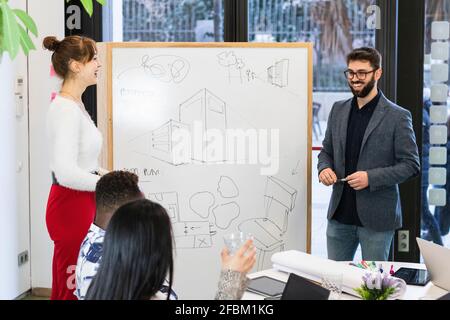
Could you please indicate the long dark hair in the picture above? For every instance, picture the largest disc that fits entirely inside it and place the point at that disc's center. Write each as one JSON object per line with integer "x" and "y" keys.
{"x": 137, "y": 254}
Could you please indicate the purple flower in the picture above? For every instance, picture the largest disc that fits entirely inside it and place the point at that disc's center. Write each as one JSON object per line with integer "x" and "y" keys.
{"x": 383, "y": 281}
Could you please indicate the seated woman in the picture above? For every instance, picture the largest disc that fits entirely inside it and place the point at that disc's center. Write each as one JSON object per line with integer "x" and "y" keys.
{"x": 138, "y": 257}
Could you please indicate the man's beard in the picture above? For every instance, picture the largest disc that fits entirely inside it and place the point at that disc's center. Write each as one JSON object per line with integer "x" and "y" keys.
{"x": 365, "y": 90}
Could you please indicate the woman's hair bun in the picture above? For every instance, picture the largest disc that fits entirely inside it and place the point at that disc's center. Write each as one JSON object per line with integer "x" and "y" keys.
{"x": 51, "y": 43}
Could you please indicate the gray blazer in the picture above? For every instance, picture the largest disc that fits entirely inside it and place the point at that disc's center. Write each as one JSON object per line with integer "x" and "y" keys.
{"x": 388, "y": 154}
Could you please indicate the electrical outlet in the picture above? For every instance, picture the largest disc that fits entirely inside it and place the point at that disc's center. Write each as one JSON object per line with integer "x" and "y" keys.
{"x": 22, "y": 258}
{"x": 403, "y": 241}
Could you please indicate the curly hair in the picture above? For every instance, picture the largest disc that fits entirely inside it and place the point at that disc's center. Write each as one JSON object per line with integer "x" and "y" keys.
{"x": 115, "y": 189}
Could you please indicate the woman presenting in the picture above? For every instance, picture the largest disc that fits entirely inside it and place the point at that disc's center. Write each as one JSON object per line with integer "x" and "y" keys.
{"x": 75, "y": 144}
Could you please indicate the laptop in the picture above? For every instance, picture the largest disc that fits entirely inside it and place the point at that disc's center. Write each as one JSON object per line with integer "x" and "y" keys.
{"x": 299, "y": 288}
{"x": 437, "y": 260}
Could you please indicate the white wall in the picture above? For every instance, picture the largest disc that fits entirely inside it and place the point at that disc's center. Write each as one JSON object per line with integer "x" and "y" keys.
{"x": 14, "y": 195}
{"x": 49, "y": 17}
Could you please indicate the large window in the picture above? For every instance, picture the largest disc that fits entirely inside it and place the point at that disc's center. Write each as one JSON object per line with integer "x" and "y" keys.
{"x": 436, "y": 143}
{"x": 173, "y": 20}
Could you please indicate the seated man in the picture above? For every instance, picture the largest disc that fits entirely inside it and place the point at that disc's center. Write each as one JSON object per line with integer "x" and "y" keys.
{"x": 112, "y": 191}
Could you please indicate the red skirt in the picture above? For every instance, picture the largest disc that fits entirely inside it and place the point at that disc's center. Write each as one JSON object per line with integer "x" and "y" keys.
{"x": 69, "y": 216}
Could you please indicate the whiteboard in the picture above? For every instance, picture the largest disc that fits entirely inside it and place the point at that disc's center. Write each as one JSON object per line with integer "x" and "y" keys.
{"x": 220, "y": 135}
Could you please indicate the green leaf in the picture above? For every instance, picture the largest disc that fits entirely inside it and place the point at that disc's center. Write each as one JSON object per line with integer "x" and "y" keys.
{"x": 88, "y": 6}
{"x": 27, "y": 21}
{"x": 11, "y": 36}
{"x": 25, "y": 41}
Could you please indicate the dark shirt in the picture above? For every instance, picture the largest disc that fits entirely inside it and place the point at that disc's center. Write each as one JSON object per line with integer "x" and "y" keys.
{"x": 358, "y": 121}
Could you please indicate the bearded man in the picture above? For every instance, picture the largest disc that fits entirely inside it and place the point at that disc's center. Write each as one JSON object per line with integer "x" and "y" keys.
{"x": 368, "y": 150}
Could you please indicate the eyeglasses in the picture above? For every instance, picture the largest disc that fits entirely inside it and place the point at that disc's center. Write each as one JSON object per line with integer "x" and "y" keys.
{"x": 361, "y": 75}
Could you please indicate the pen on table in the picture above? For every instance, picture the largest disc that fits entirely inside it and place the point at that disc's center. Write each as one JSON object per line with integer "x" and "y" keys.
{"x": 380, "y": 267}
{"x": 391, "y": 272}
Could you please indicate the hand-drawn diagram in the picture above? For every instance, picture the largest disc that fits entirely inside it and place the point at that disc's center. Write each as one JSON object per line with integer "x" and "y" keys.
{"x": 187, "y": 234}
{"x": 233, "y": 63}
{"x": 227, "y": 188}
{"x": 206, "y": 109}
{"x": 225, "y": 214}
{"x": 162, "y": 140}
{"x": 169, "y": 200}
{"x": 192, "y": 234}
{"x": 164, "y": 68}
{"x": 269, "y": 231}
{"x": 201, "y": 203}
{"x": 278, "y": 74}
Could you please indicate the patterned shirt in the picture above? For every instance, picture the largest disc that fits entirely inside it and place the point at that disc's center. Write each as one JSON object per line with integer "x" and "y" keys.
{"x": 89, "y": 260}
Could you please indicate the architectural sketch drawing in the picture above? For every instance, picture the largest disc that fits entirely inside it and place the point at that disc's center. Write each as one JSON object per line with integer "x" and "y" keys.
{"x": 191, "y": 235}
{"x": 279, "y": 191}
{"x": 169, "y": 200}
{"x": 164, "y": 68}
{"x": 269, "y": 232}
{"x": 201, "y": 203}
{"x": 225, "y": 214}
{"x": 141, "y": 144}
{"x": 188, "y": 234}
{"x": 278, "y": 74}
{"x": 234, "y": 65}
{"x": 205, "y": 111}
{"x": 227, "y": 188}
{"x": 268, "y": 238}
{"x": 162, "y": 142}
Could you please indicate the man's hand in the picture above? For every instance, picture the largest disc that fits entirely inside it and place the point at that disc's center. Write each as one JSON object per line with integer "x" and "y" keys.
{"x": 359, "y": 180}
{"x": 327, "y": 177}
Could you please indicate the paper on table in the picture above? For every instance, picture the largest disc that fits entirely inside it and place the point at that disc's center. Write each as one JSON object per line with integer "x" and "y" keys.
{"x": 313, "y": 267}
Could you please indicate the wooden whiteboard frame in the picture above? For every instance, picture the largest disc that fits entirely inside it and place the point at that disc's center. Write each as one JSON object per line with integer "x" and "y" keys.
{"x": 104, "y": 97}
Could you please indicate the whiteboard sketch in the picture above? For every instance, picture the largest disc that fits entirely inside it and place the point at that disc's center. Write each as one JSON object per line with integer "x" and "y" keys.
{"x": 278, "y": 74}
{"x": 201, "y": 203}
{"x": 188, "y": 234}
{"x": 162, "y": 142}
{"x": 207, "y": 110}
{"x": 193, "y": 234}
{"x": 225, "y": 214}
{"x": 164, "y": 68}
{"x": 269, "y": 231}
{"x": 169, "y": 200}
{"x": 150, "y": 92}
{"x": 227, "y": 188}
{"x": 233, "y": 64}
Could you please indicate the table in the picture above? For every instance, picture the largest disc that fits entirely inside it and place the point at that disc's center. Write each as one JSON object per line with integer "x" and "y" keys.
{"x": 428, "y": 292}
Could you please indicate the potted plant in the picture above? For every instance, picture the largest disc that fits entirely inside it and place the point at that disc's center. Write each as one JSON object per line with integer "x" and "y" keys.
{"x": 14, "y": 24}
